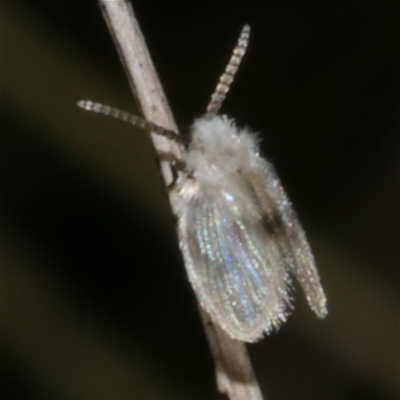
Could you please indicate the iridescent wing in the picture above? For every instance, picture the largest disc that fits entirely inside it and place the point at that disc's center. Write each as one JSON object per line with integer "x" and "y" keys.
{"x": 237, "y": 267}
{"x": 302, "y": 265}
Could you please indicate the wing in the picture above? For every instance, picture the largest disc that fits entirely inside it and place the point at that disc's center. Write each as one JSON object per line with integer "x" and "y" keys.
{"x": 236, "y": 267}
{"x": 274, "y": 201}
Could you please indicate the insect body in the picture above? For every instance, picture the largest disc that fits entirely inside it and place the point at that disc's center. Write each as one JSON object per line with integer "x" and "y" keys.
{"x": 239, "y": 235}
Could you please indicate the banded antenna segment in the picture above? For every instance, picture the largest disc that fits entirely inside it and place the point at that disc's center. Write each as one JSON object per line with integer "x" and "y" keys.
{"x": 126, "y": 116}
{"x": 227, "y": 77}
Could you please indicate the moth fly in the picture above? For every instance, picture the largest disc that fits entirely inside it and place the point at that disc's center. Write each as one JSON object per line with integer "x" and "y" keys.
{"x": 240, "y": 237}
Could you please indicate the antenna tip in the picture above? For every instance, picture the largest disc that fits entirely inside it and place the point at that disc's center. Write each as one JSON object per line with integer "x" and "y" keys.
{"x": 245, "y": 31}
{"x": 85, "y": 104}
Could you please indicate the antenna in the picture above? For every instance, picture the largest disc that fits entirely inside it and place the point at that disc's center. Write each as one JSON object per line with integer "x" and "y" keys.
{"x": 227, "y": 77}
{"x": 132, "y": 119}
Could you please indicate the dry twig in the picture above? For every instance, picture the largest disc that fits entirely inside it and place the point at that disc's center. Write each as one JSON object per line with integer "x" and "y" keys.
{"x": 235, "y": 376}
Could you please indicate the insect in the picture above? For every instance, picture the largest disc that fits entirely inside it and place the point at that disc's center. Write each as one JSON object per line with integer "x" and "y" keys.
{"x": 240, "y": 237}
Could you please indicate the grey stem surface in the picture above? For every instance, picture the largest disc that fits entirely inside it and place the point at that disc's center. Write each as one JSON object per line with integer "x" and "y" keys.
{"x": 234, "y": 372}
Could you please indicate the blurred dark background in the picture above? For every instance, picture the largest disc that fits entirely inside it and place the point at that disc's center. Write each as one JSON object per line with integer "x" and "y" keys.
{"x": 95, "y": 301}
